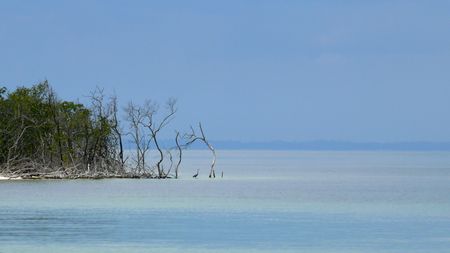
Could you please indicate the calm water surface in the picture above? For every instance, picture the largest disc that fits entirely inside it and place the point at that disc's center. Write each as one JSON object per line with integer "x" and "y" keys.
{"x": 268, "y": 201}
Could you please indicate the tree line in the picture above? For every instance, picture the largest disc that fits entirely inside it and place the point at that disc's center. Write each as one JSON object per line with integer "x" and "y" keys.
{"x": 42, "y": 136}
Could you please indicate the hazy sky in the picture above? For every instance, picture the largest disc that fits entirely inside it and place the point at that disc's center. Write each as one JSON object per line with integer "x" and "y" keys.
{"x": 250, "y": 70}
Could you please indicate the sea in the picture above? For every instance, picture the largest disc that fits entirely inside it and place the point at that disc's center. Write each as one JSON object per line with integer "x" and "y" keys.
{"x": 266, "y": 201}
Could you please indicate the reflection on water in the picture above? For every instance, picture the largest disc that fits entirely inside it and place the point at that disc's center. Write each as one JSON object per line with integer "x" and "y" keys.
{"x": 268, "y": 201}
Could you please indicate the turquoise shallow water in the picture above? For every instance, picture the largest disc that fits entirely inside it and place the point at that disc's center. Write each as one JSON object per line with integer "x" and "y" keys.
{"x": 268, "y": 201}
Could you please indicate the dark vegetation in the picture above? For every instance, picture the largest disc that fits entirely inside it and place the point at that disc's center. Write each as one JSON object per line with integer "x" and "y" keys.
{"x": 42, "y": 136}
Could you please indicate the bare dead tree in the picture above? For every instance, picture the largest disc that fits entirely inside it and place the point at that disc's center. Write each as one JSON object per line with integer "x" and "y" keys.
{"x": 101, "y": 116}
{"x": 180, "y": 153}
{"x": 116, "y": 128}
{"x": 150, "y": 112}
{"x": 192, "y": 137}
{"x": 12, "y": 151}
{"x": 135, "y": 116}
{"x": 15, "y": 157}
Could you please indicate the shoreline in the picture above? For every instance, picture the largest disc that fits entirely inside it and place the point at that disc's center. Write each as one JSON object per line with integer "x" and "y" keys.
{"x": 9, "y": 178}
{"x": 93, "y": 177}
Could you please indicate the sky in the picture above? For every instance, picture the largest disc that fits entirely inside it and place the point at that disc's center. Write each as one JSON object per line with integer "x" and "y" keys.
{"x": 249, "y": 70}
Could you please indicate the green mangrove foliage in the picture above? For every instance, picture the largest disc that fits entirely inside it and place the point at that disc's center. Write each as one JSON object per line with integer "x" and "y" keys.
{"x": 42, "y": 136}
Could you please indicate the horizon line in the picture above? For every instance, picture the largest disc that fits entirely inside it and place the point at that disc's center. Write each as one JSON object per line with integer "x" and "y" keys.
{"x": 324, "y": 145}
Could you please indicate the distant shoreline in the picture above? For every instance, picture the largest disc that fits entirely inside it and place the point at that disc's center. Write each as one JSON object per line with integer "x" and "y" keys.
{"x": 326, "y": 145}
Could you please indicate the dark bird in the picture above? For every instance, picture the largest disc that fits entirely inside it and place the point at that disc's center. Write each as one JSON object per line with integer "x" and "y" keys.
{"x": 196, "y": 175}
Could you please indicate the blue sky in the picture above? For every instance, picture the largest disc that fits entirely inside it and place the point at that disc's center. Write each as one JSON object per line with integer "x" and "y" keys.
{"x": 249, "y": 70}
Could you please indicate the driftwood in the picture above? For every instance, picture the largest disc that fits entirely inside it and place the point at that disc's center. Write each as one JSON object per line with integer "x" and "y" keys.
{"x": 28, "y": 169}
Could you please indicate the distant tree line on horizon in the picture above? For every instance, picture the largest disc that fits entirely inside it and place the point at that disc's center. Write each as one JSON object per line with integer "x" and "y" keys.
{"x": 42, "y": 136}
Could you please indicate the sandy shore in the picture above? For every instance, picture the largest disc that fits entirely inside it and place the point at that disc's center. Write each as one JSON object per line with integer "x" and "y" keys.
{"x": 9, "y": 178}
